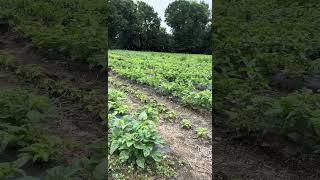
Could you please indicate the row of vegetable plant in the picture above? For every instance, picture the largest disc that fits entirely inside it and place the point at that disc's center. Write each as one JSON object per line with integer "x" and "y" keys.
{"x": 185, "y": 76}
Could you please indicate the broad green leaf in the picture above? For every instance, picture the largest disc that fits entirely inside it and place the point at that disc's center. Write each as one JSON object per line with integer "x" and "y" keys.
{"x": 143, "y": 116}
{"x": 140, "y": 162}
{"x": 124, "y": 155}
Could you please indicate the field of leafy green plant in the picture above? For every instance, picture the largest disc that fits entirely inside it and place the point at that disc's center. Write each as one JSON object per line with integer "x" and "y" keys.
{"x": 71, "y": 28}
{"x": 185, "y": 76}
{"x": 19, "y": 113}
{"x": 266, "y": 75}
{"x": 21, "y": 134}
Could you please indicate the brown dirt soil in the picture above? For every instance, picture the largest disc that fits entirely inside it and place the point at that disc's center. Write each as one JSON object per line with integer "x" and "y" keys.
{"x": 74, "y": 121}
{"x": 235, "y": 160}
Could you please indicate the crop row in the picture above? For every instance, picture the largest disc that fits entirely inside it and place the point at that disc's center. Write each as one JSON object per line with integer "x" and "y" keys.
{"x": 71, "y": 28}
{"x": 168, "y": 114}
{"x": 132, "y": 138}
{"x": 21, "y": 114}
{"x": 265, "y": 63}
{"x": 187, "y": 77}
{"x": 36, "y": 75}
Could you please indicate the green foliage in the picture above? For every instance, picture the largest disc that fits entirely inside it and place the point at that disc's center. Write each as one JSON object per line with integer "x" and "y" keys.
{"x": 115, "y": 105}
{"x": 6, "y": 60}
{"x": 40, "y": 152}
{"x": 186, "y": 124}
{"x": 142, "y": 33}
{"x": 63, "y": 173}
{"x": 134, "y": 25}
{"x": 72, "y": 28}
{"x": 170, "y": 116}
{"x": 133, "y": 138}
{"x": 147, "y": 112}
{"x": 167, "y": 73}
{"x": 19, "y": 113}
{"x": 19, "y": 107}
{"x": 202, "y": 132}
{"x": 12, "y": 169}
{"x": 190, "y": 25}
{"x": 253, "y": 41}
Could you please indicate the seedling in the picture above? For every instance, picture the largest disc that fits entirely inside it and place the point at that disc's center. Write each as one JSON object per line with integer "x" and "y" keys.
{"x": 201, "y": 132}
{"x": 186, "y": 124}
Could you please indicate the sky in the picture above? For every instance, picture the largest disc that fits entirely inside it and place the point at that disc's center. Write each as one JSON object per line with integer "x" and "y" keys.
{"x": 161, "y": 5}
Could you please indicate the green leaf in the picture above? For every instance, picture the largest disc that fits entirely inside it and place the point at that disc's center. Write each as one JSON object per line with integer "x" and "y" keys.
{"x": 21, "y": 161}
{"x": 129, "y": 143}
{"x": 139, "y": 146}
{"x": 34, "y": 116}
{"x": 124, "y": 155}
{"x": 114, "y": 147}
{"x": 156, "y": 156}
{"x": 146, "y": 152}
{"x": 143, "y": 116}
{"x": 140, "y": 162}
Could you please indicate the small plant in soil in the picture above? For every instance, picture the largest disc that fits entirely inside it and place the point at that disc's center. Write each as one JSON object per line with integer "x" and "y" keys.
{"x": 12, "y": 169}
{"x": 170, "y": 116}
{"x": 202, "y": 132}
{"x": 186, "y": 124}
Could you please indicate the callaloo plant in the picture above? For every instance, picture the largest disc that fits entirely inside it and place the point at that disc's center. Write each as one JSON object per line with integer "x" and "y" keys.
{"x": 148, "y": 112}
{"x": 161, "y": 108}
{"x": 30, "y": 72}
{"x": 42, "y": 151}
{"x": 6, "y": 60}
{"x": 19, "y": 107}
{"x": 202, "y": 132}
{"x": 186, "y": 124}
{"x": 170, "y": 116}
{"x": 11, "y": 170}
{"x": 133, "y": 139}
{"x": 166, "y": 73}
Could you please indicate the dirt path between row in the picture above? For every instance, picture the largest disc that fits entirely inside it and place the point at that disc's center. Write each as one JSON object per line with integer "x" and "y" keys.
{"x": 195, "y": 151}
{"x": 238, "y": 160}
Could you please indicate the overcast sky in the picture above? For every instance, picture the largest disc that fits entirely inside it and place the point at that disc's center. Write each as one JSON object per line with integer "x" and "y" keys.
{"x": 161, "y": 5}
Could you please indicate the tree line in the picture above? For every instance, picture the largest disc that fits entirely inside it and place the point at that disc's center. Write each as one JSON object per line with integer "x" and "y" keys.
{"x": 134, "y": 25}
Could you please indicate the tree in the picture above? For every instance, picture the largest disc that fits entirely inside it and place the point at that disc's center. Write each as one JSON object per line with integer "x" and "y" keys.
{"x": 188, "y": 20}
{"x": 149, "y": 23}
{"x": 122, "y": 24}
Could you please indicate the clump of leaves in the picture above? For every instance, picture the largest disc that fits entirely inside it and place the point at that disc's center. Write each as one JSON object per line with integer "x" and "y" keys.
{"x": 18, "y": 107}
{"x": 186, "y": 124}
{"x": 202, "y": 132}
{"x": 133, "y": 139}
{"x": 41, "y": 151}
{"x": 12, "y": 169}
{"x": 6, "y": 60}
{"x": 31, "y": 72}
{"x": 170, "y": 116}
{"x": 148, "y": 112}
{"x": 115, "y": 99}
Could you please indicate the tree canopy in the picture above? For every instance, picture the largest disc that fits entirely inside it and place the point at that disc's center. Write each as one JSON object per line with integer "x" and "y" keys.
{"x": 136, "y": 26}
